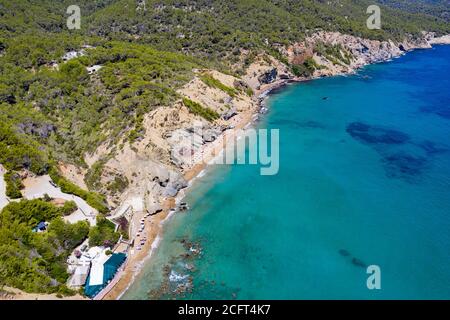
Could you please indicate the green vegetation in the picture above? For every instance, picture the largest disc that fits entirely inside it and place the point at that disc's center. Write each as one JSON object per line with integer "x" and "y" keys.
{"x": 68, "y": 208}
{"x": 13, "y": 185}
{"x": 118, "y": 184}
{"x": 35, "y": 262}
{"x": 17, "y": 149}
{"x": 215, "y": 28}
{"x": 198, "y": 109}
{"x": 437, "y": 8}
{"x": 306, "y": 69}
{"x": 335, "y": 53}
{"x": 123, "y": 227}
{"x": 103, "y": 233}
{"x": 212, "y": 82}
{"x": 93, "y": 176}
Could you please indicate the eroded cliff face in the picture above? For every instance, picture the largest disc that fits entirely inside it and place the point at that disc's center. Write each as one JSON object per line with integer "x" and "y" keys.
{"x": 155, "y": 167}
{"x": 335, "y": 53}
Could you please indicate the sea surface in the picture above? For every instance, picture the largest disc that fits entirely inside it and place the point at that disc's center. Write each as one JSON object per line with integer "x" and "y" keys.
{"x": 364, "y": 180}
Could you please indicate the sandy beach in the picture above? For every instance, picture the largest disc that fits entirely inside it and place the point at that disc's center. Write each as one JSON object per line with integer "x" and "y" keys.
{"x": 153, "y": 228}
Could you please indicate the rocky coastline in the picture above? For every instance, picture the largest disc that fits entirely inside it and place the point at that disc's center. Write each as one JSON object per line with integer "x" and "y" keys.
{"x": 157, "y": 178}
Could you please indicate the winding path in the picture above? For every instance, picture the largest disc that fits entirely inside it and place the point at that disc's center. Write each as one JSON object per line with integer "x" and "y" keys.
{"x": 37, "y": 187}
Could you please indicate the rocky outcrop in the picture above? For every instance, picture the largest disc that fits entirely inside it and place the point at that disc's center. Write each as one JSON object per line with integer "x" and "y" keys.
{"x": 240, "y": 85}
{"x": 229, "y": 114}
{"x": 176, "y": 183}
{"x": 439, "y": 40}
{"x": 268, "y": 77}
{"x": 356, "y": 52}
{"x": 209, "y": 135}
{"x": 161, "y": 176}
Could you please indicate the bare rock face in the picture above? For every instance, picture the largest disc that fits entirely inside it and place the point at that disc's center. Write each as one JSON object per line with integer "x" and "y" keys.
{"x": 154, "y": 208}
{"x": 176, "y": 183}
{"x": 210, "y": 135}
{"x": 299, "y": 55}
{"x": 161, "y": 175}
{"x": 360, "y": 51}
{"x": 240, "y": 85}
{"x": 229, "y": 114}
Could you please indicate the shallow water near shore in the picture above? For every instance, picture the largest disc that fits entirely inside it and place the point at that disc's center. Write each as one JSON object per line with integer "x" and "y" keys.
{"x": 364, "y": 180}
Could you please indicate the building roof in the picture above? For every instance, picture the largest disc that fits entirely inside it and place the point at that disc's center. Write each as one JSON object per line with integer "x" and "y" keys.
{"x": 96, "y": 277}
{"x": 41, "y": 225}
{"x": 107, "y": 270}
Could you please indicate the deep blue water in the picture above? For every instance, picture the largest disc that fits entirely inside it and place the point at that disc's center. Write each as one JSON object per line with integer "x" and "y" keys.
{"x": 364, "y": 180}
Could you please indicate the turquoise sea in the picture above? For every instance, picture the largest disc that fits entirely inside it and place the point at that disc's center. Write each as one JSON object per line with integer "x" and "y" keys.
{"x": 364, "y": 180}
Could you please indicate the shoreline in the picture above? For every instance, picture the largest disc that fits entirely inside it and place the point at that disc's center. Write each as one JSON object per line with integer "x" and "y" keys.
{"x": 212, "y": 150}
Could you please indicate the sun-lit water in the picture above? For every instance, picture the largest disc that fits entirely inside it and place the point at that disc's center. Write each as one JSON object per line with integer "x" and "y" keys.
{"x": 364, "y": 179}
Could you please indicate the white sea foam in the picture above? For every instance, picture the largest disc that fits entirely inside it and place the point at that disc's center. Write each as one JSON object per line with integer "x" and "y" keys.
{"x": 176, "y": 277}
{"x": 201, "y": 174}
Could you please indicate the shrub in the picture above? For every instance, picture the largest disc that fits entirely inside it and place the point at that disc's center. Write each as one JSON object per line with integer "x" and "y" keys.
{"x": 103, "y": 233}
{"x": 198, "y": 109}
{"x": 13, "y": 185}
{"x": 69, "y": 207}
{"x": 210, "y": 81}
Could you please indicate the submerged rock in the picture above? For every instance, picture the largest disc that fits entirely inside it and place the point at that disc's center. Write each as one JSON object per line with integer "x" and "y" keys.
{"x": 432, "y": 148}
{"x": 376, "y": 135}
{"x": 402, "y": 164}
{"x": 440, "y": 110}
{"x": 359, "y": 263}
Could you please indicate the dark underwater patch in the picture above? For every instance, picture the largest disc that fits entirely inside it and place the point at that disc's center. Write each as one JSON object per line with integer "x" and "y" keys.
{"x": 297, "y": 124}
{"x": 311, "y": 125}
{"x": 344, "y": 253}
{"x": 402, "y": 157}
{"x": 376, "y": 135}
{"x": 440, "y": 110}
{"x": 355, "y": 261}
{"x": 358, "y": 263}
{"x": 432, "y": 148}
{"x": 403, "y": 165}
